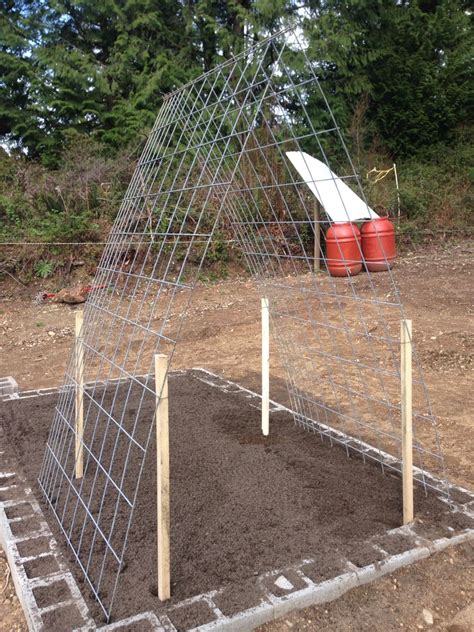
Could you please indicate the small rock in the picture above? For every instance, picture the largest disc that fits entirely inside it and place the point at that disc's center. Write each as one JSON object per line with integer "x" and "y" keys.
{"x": 51, "y": 333}
{"x": 283, "y": 583}
{"x": 428, "y": 616}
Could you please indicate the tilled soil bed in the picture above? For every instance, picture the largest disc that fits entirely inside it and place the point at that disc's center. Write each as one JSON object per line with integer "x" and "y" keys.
{"x": 241, "y": 504}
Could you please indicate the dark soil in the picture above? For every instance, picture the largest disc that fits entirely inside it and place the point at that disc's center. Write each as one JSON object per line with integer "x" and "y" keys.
{"x": 240, "y": 505}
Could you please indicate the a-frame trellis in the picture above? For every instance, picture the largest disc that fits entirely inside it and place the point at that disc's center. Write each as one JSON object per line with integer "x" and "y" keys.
{"x": 217, "y": 154}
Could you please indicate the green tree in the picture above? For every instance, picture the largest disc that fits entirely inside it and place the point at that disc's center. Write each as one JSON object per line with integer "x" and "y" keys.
{"x": 101, "y": 68}
{"x": 21, "y": 121}
{"x": 411, "y": 58}
{"x": 218, "y": 30}
{"x": 95, "y": 67}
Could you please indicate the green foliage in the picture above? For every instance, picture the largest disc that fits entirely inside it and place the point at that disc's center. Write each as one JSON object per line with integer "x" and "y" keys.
{"x": 76, "y": 202}
{"x": 95, "y": 67}
{"x": 412, "y": 60}
{"x": 437, "y": 192}
{"x": 424, "y": 77}
{"x": 81, "y": 82}
{"x": 217, "y": 252}
{"x": 101, "y": 68}
{"x": 44, "y": 269}
{"x": 20, "y": 83}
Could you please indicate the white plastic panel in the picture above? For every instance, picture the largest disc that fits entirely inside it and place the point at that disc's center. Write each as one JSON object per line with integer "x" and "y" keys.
{"x": 338, "y": 200}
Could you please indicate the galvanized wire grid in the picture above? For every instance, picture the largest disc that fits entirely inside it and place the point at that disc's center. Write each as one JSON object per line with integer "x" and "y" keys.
{"x": 216, "y": 156}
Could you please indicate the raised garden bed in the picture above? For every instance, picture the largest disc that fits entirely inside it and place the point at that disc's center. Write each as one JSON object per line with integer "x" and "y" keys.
{"x": 241, "y": 505}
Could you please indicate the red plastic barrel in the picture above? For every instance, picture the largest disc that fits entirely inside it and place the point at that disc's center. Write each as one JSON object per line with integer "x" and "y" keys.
{"x": 378, "y": 244}
{"x": 343, "y": 252}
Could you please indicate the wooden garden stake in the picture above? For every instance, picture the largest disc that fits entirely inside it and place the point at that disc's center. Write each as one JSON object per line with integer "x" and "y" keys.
{"x": 79, "y": 421}
{"x": 163, "y": 476}
{"x": 317, "y": 236}
{"x": 265, "y": 367}
{"x": 407, "y": 431}
{"x": 395, "y": 173}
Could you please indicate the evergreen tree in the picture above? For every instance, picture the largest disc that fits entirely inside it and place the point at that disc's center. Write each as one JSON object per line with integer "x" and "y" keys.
{"x": 98, "y": 67}
{"x": 412, "y": 59}
{"x": 101, "y": 68}
{"x": 21, "y": 107}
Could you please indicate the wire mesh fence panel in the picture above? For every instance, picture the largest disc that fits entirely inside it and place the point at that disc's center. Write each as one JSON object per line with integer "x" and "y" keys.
{"x": 218, "y": 155}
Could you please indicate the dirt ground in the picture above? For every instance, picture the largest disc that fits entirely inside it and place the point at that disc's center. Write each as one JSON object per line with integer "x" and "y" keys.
{"x": 290, "y": 489}
{"x": 222, "y": 334}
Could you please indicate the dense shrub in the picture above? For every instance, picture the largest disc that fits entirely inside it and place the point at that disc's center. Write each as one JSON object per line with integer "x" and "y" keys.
{"x": 79, "y": 200}
{"x": 75, "y": 202}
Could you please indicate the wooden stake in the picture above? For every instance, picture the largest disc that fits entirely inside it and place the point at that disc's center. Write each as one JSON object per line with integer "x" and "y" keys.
{"x": 265, "y": 367}
{"x": 398, "y": 189}
{"x": 407, "y": 432}
{"x": 162, "y": 476}
{"x": 317, "y": 237}
{"x": 79, "y": 421}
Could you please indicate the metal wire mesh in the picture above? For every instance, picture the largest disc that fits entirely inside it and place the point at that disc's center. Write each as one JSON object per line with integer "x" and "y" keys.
{"x": 217, "y": 154}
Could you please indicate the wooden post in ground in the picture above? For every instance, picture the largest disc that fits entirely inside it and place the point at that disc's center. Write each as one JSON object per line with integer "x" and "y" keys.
{"x": 407, "y": 431}
{"x": 395, "y": 173}
{"x": 79, "y": 377}
{"x": 265, "y": 367}
{"x": 317, "y": 237}
{"x": 162, "y": 476}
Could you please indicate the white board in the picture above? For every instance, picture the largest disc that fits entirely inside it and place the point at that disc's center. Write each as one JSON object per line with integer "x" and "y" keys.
{"x": 338, "y": 200}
